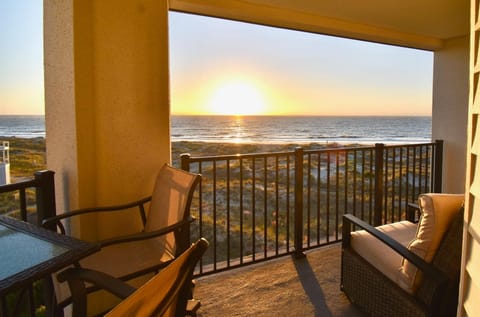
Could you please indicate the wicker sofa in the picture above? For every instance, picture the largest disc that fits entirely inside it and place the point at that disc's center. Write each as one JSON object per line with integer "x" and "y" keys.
{"x": 376, "y": 283}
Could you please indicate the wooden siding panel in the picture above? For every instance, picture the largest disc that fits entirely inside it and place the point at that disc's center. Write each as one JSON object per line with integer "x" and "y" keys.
{"x": 470, "y": 279}
{"x": 472, "y": 304}
{"x": 472, "y": 267}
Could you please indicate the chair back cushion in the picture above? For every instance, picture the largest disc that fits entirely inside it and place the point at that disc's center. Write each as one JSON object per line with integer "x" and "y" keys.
{"x": 437, "y": 213}
{"x": 171, "y": 199}
{"x": 448, "y": 260}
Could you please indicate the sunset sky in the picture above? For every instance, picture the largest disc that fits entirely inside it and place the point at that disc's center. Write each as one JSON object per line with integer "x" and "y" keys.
{"x": 21, "y": 57}
{"x": 257, "y": 69}
{"x": 226, "y": 67}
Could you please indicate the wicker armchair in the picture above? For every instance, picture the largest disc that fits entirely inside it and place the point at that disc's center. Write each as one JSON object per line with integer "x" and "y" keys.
{"x": 378, "y": 293}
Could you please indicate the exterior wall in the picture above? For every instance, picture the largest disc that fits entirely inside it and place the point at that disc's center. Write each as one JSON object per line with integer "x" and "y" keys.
{"x": 450, "y": 110}
{"x": 107, "y": 102}
{"x": 60, "y": 122}
{"x": 470, "y": 278}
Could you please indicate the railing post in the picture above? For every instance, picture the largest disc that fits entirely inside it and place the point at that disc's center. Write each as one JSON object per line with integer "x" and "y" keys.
{"x": 438, "y": 167}
{"x": 184, "y": 239}
{"x": 46, "y": 207}
{"x": 45, "y": 195}
{"x": 298, "y": 226}
{"x": 185, "y": 161}
{"x": 378, "y": 202}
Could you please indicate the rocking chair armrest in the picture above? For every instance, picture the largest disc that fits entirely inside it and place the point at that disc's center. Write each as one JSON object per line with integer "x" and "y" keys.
{"x": 428, "y": 269}
{"x": 55, "y": 220}
{"x": 147, "y": 235}
{"x": 99, "y": 279}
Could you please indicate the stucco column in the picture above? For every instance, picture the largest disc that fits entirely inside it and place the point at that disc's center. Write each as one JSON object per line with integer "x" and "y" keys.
{"x": 107, "y": 102}
{"x": 450, "y": 110}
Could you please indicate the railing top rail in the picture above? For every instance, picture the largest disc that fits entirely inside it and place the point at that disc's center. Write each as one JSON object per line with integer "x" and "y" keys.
{"x": 365, "y": 147}
{"x": 292, "y": 152}
{"x": 340, "y": 149}
{"x": 19, "y": 185}
{"x": 238, "y": 156}
{"x": 410, "y": 145}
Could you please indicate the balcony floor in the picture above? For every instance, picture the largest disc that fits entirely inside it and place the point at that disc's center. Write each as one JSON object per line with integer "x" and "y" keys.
{"x": 280, "y": 287}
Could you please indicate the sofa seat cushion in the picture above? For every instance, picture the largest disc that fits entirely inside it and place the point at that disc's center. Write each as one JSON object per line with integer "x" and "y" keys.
{"x": 379, "y": 254}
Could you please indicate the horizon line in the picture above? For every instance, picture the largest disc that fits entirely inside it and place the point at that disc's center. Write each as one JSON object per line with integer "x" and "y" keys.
{"x": 265, "y": 115}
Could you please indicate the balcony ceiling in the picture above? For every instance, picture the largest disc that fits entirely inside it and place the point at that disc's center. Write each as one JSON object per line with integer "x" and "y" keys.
{"x": 422, "y": 24}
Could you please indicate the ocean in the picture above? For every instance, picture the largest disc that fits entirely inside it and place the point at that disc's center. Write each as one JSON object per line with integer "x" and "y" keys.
{"x": 268, "y": 129}
{"x": 22, "y": 126}
{"x": 303, "y": 129}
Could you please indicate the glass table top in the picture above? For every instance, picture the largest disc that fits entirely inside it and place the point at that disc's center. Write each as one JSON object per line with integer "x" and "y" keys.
{"x": 29, "y": 252}
{"x": 20, "y": 251}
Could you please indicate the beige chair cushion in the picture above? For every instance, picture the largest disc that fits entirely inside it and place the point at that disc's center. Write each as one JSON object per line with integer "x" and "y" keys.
{"x": 379, "y": 254}
{"x": 121, "y": 259}
{"x": 437, "y": 210}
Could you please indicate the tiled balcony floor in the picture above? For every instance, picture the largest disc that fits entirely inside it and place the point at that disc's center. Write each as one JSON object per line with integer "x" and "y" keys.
{"x": 280, "y": 287}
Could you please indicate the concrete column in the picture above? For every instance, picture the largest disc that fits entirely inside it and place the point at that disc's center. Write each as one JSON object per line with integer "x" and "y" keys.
{"x": 107, "y": 103}
{"x": 450, "y": 110}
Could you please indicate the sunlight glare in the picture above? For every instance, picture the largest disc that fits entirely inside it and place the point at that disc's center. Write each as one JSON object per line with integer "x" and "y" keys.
{"x": 237, "y": 97}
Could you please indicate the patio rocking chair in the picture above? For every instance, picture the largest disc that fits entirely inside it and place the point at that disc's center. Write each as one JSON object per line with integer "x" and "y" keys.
{"x": 404, "y": 268}
{"x": 165, "y": 233}
{"x": 166, "y": 294}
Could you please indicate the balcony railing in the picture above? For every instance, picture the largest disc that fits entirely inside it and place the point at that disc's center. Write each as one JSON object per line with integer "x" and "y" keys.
{"x": 31, "y": 200}
{"x": 254, "y": 207}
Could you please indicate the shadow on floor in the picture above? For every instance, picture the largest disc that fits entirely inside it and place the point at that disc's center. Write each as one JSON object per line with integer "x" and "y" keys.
{"x": 285, "y": 286}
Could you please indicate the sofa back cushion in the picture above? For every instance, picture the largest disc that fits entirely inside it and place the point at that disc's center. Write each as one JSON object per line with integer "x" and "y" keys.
{"x": 437, "y": 213}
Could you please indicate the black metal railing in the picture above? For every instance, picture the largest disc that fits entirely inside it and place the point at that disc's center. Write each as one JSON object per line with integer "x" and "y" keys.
{"x": 254, "y": 207}
{"x": 31, "y": 200}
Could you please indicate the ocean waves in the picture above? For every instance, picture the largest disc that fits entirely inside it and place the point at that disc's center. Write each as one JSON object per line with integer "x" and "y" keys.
{"x": 22, "y": 126}
{"x": 268, "y": 129}
{"x": 288, "y": 129}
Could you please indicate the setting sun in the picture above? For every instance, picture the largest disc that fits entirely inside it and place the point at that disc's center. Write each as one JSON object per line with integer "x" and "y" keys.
{"x": 237, "y": 97}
